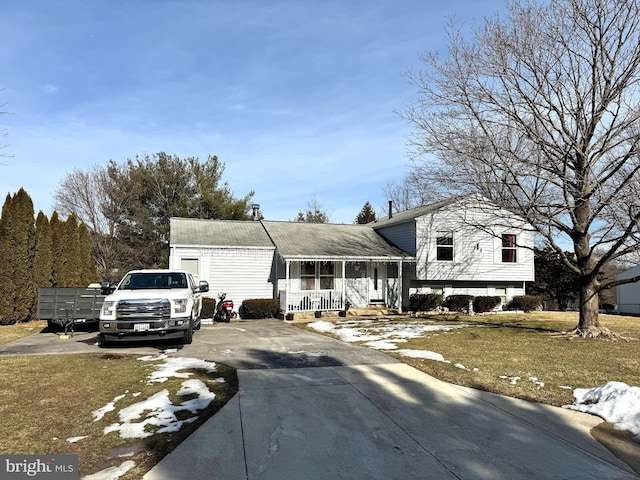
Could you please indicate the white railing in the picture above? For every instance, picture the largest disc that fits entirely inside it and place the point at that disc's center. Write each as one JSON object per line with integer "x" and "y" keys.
{"x": 311, "y": 300}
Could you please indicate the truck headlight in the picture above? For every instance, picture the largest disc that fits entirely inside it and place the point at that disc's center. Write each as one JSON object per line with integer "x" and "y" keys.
{"x": 181, "y": 305}
{"x": 107, "y": 308}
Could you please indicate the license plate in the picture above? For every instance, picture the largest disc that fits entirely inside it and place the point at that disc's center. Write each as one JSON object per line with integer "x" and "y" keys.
{"x": 140, "y": 327}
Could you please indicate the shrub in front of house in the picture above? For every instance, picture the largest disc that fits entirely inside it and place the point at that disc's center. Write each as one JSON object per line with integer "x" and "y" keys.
{"x": 458, "y": 303}
{"x": 526, "y": 303}
{"x": 608, "y": 307}
{"x": 425, "y": 302}
{"x": 260, "y": 308}
{"x": 208, "y": 307}
{"x": 485, "y": 304}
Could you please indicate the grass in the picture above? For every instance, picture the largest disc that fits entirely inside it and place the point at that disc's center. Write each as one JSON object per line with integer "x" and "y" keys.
{"x": 45, "y": 400}
{"x": 497, "y": 348}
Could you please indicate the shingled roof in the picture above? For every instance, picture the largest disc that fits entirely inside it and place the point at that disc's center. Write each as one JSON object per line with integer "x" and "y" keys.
{"x": 217, "y": 233}
{"x": 325, "y": 241}
{"x": 293, "y": 240}
{"x": 413, "y": 213}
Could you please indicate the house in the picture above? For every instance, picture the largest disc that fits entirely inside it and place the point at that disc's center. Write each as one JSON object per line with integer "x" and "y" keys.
{"x": 629, "y": 293}
{"x": 462, "y": 246}
{"x": 458, "y": 246}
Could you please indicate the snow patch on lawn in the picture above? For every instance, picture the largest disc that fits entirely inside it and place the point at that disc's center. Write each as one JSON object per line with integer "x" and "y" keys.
{"x": 156, "y": 414}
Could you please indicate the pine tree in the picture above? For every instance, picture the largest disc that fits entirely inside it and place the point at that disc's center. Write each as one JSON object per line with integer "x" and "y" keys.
{"x": 366, "y": 215}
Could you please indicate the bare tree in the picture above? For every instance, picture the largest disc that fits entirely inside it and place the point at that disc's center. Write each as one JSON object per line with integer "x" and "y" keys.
{"x": 540, "y": 113}
{"x": 410, "y": 193}
{"x": 315, "y": 213}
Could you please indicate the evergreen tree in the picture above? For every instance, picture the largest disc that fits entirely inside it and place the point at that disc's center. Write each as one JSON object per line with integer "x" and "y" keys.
{"x": 18, "y": 239}
{"x": 71, "y": 252}
{"x": 366, "y": 215}
{"x": 57, "y": 247}
{"x": 43, "y": 259}
{"x": 7, "y": 285}
{"x": 315, "y": 213}
{"x": 87, "y": 273}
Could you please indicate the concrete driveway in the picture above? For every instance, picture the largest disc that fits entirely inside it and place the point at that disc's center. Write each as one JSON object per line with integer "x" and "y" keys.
{"x": 311, "y": 407}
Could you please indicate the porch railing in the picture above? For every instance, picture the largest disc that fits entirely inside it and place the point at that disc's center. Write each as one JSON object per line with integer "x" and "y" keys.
{"x": 311, "y": 300}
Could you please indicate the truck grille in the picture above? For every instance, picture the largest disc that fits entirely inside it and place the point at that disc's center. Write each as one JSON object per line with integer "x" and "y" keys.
{"x": 143, "y": 309}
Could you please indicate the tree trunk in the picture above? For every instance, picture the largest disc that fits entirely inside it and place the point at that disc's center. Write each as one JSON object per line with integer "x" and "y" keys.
{"x": 589, "y": 323}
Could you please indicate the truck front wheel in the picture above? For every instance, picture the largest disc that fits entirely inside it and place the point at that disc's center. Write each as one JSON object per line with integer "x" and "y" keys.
{"x": 188, "y": 333}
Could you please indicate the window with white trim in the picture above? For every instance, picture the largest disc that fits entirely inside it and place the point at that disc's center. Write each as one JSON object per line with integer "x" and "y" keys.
{"x": 327, "y": 275}
{"x": 509, "y": 248}
{"x": 314, "y": 275}
{"x": 191, "y": 266}
{"x": 308, "y": 276}
{"x": 444, "y": 246}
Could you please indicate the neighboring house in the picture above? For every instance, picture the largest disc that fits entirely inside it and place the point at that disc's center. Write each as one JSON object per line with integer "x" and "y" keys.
{"x": 452, "y": 247}
{"x": 629, "y": 293}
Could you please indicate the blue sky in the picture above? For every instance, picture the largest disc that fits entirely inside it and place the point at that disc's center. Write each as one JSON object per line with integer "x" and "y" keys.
{"x": 297, "y": 98}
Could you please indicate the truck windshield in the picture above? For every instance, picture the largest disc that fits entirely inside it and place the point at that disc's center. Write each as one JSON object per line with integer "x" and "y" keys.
{"x": 141, "y": 281}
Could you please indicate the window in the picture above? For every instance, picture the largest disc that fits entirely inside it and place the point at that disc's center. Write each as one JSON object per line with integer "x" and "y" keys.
{"x": 444, "y": 245}
{"x": 326, "y": 276}
{"x": 308, "y": 276}
{"x": 190, "y": 265}
{"x": 509, "y": 248}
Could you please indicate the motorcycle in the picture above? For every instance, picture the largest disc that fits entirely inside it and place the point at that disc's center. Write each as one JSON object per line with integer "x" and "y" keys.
{"x": 224, "y": 309}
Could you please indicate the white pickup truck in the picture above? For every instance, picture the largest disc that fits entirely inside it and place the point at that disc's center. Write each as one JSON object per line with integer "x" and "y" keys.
{"x": 150, "y": 305}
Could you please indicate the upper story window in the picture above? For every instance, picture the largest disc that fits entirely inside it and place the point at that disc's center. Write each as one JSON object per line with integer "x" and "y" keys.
{"x": 444, "y": 246}
{"x": 509, "y": 249}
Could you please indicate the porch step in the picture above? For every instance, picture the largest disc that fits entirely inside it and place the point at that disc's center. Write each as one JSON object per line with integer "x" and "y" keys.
{"x": 377, "y": 311}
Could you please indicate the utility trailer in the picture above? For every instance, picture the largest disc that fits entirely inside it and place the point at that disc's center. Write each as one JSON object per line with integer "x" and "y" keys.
{"x": 67, "y": 306}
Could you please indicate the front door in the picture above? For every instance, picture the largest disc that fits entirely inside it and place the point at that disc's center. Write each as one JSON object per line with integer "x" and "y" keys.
{"x": 377, "y": 283}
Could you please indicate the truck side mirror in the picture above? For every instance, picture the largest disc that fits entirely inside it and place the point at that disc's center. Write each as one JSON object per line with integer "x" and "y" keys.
{"x": 203, "y": 286}
{"x": 106, "y": 288}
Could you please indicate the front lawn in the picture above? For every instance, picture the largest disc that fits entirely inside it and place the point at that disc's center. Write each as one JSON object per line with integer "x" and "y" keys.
{"x": 518, "y": 355}
{"x": 76, "y": 404}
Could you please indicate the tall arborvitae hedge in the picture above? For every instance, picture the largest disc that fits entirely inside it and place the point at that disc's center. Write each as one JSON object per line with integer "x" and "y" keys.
{"x": 6, "y": 282}
{"x": 41, "y": 254}
{"x": 18, "y": 239}
{"x": 88, "y": 272}
{"x": 43, "y": 259}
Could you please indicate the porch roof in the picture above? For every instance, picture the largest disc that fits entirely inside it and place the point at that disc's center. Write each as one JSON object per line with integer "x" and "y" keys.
{"x": 331, "y": 242}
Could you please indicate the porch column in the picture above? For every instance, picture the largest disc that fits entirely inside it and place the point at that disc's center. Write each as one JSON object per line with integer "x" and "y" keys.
{"x": 400, "y": 289}
{"x": 286, "y": 287}
{"x": 344, "y": 284}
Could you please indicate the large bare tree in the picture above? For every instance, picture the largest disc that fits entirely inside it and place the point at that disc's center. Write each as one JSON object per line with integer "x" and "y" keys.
{"x": 540, "y": 112}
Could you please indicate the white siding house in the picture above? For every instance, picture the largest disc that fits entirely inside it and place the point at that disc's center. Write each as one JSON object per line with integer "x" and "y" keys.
{"x": 458, "y": 246}
{"x": 463, "y": 246}
{"x": 629, "y": 293}
{"x": 235, "y": 257}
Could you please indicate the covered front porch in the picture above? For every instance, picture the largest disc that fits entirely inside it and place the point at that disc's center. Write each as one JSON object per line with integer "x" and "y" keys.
{"x": 337, "y": 284}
